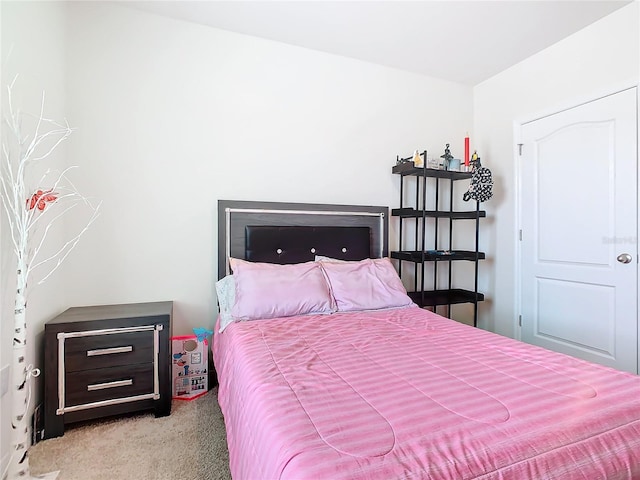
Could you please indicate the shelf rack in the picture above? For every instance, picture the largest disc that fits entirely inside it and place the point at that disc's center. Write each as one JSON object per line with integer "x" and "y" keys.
{"x": 422, "y": 253}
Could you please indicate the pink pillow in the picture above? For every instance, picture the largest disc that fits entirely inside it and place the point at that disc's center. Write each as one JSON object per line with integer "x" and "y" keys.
{"x": 371, "y": 284}
{"x": 268, "y": 290}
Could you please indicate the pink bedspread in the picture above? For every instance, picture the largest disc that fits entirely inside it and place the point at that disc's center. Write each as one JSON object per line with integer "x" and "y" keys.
{"x": 409, "y": 394}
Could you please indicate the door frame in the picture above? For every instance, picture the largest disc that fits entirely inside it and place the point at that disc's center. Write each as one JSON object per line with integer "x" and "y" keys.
{"x": 517, "y": 184}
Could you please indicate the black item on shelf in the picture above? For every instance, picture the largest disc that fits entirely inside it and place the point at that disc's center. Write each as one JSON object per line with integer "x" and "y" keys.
{"x": 481, "y": 184}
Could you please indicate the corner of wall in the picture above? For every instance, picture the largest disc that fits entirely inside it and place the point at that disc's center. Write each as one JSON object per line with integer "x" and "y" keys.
{"x": 37, "y": 55}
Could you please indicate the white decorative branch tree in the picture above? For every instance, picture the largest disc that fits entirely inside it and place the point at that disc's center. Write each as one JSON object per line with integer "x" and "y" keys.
{"x": 32, "y": 209}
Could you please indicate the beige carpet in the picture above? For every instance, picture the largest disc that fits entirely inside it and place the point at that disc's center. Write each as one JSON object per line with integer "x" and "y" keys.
{"x": 188, "y": 444}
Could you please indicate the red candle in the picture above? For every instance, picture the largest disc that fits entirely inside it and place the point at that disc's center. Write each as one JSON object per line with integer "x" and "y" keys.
{"x": 466, "y": 151}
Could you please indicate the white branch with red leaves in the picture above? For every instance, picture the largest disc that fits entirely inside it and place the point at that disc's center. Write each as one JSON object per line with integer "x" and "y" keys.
{"x": 31, "y": 212}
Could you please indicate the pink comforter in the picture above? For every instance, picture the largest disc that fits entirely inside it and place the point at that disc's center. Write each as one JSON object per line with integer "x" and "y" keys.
{"x": 409, "y": 394}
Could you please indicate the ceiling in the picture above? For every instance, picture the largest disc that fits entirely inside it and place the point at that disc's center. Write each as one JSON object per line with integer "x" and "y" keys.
{"x": 465, "y": 41}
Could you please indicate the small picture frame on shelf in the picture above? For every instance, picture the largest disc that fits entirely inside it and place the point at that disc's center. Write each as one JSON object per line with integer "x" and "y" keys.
{"x": 433, "y": 163}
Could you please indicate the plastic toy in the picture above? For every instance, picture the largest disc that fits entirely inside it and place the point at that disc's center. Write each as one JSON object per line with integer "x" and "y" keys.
{"x": 190, "y": 364}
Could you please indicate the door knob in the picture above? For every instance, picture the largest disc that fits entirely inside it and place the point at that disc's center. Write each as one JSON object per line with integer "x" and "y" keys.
{"x": 624, "y": 258}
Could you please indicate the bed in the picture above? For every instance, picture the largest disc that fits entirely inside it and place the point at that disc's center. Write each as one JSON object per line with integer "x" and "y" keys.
{"x": 314, "y": 384}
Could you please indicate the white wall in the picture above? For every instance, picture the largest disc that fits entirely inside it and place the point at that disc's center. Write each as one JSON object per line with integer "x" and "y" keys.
{"x": 173, "y": 116}
{"x": 33, "y": 46}
{"x": 597, "y": 59}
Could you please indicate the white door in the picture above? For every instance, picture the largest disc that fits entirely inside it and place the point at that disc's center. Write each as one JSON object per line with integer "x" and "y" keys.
{"x": 578, "y": 216}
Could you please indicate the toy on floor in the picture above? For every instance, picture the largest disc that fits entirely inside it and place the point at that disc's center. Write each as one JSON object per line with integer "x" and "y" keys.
{"x": 190, "y": 364}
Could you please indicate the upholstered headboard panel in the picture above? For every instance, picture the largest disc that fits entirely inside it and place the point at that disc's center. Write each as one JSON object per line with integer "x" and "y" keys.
{"x": 279, "y": 244}
{"x": 234, "y": 216}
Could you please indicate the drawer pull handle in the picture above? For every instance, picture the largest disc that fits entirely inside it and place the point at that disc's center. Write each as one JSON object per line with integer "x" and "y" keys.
{"x": 109, "y": 351}
{"x": 102, "y": 386}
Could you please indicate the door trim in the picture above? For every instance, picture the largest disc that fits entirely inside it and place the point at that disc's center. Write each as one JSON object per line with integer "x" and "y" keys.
{"x": 518, "y": 123}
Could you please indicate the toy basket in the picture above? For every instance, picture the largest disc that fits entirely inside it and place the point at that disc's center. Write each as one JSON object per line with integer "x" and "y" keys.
{"x": 190, "y": 367}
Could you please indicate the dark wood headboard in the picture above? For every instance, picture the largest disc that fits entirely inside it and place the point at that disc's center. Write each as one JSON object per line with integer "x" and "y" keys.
{"x": 346, "y": 242}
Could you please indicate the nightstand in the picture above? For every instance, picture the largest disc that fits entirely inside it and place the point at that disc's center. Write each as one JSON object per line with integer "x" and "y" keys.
{"x": 106, "y": 360}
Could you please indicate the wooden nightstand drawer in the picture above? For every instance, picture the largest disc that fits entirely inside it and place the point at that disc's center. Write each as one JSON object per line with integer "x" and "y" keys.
{"x": 100, "y": 351}
{"x": 108, "y": 383}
